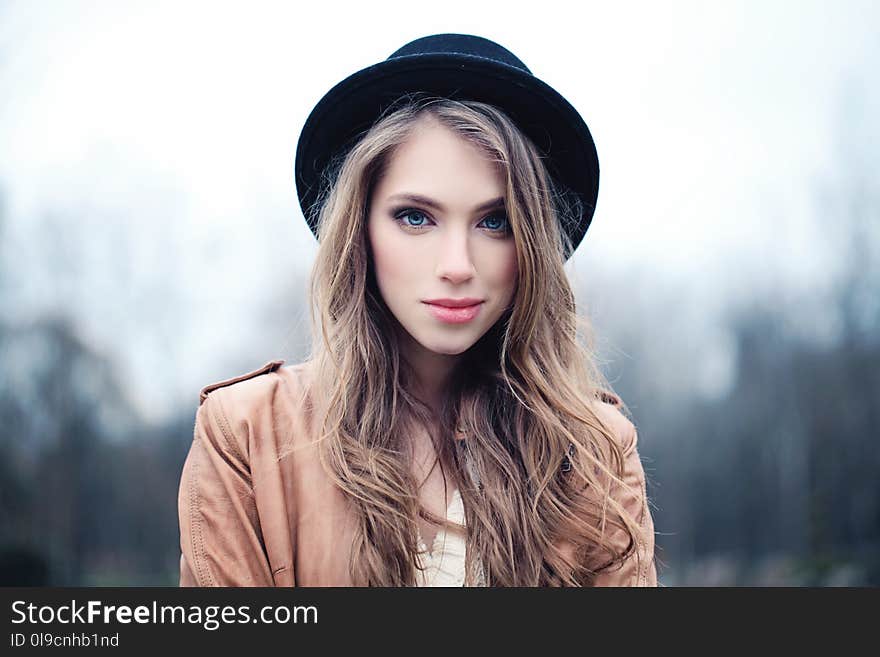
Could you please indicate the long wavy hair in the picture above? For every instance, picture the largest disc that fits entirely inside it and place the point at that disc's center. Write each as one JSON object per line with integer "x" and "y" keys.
{"x": 518, "y": 403}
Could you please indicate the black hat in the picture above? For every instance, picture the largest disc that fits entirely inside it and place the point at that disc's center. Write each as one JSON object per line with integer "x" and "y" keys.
{"x": 461, "y": 67}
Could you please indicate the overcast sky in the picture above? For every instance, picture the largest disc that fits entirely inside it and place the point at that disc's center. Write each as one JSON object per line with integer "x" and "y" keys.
{"x": 156, "y": 142}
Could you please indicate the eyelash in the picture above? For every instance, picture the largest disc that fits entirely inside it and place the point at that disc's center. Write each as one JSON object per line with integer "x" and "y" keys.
{"x": 399, "y": 217}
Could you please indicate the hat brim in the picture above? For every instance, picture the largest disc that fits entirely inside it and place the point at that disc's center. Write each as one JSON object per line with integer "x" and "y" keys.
{"x": 545, "y": 116}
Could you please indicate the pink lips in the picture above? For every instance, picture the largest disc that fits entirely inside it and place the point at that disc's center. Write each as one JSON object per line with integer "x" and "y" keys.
{"x": 450, "y": 315}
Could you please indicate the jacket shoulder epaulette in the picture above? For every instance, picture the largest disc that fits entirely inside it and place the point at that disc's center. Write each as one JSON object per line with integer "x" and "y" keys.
{"x": 271, "y": 366}
{"x": 608, "y": 397}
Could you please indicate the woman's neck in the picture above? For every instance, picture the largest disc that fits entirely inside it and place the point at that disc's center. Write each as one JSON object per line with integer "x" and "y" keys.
{"x": 431, "y": 372}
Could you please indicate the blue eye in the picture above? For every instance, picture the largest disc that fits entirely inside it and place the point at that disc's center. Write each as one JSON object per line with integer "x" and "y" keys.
{"x": 499, "y": 217}
{"x": 401, "y": 218}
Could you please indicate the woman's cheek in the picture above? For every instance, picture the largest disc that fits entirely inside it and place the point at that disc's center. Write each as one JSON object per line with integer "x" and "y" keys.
{"x": 394, "y": 261}
{"x": 508, "y": 273}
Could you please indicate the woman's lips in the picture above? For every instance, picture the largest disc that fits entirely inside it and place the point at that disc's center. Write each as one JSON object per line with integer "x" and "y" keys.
{"x": 454, "y": 315}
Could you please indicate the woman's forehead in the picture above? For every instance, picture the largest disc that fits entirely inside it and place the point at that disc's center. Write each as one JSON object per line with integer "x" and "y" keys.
{"x": 438, "y": 163}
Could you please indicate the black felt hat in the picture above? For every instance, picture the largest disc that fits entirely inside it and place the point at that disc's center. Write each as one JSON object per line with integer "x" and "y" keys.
{"x": 462, "y": 67}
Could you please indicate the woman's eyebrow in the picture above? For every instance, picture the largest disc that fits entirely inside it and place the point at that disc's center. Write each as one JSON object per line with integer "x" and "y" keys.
{"x": 431, "y": 203}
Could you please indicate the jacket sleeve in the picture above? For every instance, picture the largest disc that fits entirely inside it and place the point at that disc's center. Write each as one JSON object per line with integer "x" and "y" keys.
{"x": 220, "y": 537}
{"x": 639, "y": 569}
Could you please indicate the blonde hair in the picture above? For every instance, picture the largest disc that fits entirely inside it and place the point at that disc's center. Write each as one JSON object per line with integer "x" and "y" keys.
{"x": 522, "y": 394}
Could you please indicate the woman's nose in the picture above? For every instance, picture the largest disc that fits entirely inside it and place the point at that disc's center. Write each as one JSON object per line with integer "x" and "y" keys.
{"x": 454, "y": 261}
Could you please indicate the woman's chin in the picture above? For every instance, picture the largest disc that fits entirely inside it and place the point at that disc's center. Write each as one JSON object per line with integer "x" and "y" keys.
{"x": 447, "y": 347}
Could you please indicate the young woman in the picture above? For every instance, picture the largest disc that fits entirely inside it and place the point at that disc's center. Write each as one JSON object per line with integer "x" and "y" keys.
{"x": 449, "y": 426}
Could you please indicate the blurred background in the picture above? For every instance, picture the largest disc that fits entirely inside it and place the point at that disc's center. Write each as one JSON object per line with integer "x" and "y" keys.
{"x": 151, "y": 243}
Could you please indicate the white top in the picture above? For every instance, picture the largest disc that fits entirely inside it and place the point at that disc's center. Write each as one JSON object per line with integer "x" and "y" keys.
{"x": 444, "y": 564}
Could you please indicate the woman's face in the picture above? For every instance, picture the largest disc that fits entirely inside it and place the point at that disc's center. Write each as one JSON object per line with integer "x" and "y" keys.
{"x": 452, "y": 242}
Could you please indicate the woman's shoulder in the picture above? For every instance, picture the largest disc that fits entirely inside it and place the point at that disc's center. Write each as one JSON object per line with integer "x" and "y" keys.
{"x": 256, "y": 412}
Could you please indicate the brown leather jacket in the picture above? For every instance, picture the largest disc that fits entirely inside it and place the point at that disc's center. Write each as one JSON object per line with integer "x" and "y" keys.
{"x": 248, "y": 519}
